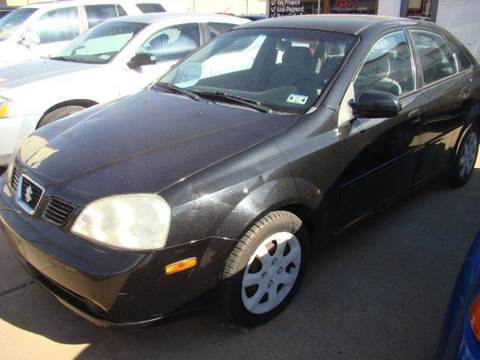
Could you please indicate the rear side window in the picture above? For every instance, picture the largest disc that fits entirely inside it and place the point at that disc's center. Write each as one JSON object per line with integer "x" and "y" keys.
{"x": 98, "y": 13}
{"x": 436, "y": 57}
{"x": 387, "y": 67}
{"x": 216, "y": 29}
{"x": 150, "y": 8}
{"x": 463, "y": 58}
{"x": 58, "y": 25}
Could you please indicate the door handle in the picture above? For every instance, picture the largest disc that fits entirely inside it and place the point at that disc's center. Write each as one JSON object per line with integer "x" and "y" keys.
{"x": 415, "y": 116}
{"x": 464, "y": 93}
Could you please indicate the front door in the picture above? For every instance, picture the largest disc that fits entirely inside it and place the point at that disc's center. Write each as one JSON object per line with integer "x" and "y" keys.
{"x": 381, "y": 154}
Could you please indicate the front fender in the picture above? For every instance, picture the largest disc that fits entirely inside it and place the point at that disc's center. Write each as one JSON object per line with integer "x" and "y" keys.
{"x": 265, "y": 198}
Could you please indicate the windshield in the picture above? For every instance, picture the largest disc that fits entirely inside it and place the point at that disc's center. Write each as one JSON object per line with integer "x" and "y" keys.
{"x": 13, "y": 20}
{"x": 101, "y": 43}
{"x": 285, "y": 70}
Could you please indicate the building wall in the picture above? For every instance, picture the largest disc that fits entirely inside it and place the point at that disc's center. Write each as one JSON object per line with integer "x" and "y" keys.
{"x": 229, "y": 6}
{"x": 461, "y": 18}
{"x": 389, "y": 7}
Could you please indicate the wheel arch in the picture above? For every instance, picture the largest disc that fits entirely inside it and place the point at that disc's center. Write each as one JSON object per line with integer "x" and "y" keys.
{"x": 73, "y": 102}
{"x": 278, "y": 195}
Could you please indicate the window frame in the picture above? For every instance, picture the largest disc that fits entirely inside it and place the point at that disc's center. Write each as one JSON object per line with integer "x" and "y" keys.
{"x": 419, "y": 62}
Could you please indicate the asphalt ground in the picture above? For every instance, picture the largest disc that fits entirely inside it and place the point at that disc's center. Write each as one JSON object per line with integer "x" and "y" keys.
{"x": 378, "y": 292}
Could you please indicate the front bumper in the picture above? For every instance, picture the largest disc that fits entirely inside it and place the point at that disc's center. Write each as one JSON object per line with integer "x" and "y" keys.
{"x": 13, "y": 130}
{"x": 106, "y": 286}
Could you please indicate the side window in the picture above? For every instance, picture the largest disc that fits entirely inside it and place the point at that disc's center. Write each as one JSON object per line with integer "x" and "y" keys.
{"x": 435, "y": 55}
{"x": 216, "y": 29}
{"x": 58, "y": 25}
{"x": 173, "y": 42}
{"x": 463, "y": 58}
{"x": 121, "y": 11}
{"x": 387, "y": 67}
{"x": 150, "y": 8}
{"x": 98, "y": 13}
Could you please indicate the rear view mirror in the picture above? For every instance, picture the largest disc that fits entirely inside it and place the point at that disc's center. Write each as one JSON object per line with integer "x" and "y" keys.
{"x": 376, "y": 104}
{"x": 30, "y": 39}
{"x": 140, "y": 60}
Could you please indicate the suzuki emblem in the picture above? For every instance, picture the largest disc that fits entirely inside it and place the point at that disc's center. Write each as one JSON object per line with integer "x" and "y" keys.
{"x": 28, "y": 193}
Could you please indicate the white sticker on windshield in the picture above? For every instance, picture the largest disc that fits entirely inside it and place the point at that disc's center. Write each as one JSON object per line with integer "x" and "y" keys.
{"x": 297, "y": 99}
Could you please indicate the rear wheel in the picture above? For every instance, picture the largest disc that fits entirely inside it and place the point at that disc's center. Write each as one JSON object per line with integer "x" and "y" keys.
{"x": 265, "y": 269}
{"x": 465, "y": 160}
{"x": 58, "y": 114}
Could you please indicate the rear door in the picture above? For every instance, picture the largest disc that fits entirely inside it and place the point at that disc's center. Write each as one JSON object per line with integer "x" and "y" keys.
{"x": 445, "y": 85}
{"x": 381, "y": 154}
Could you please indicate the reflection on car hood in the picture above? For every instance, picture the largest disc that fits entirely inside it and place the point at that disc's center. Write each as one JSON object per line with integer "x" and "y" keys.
{"x": 43, "y": 69}
{"x": 144, "y": 142}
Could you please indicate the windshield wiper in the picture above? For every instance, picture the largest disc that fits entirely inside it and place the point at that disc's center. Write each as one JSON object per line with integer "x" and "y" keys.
{"x": 236, "y": 99}
{"x": 62, "y": 58}
{"x": 178, "y": 90}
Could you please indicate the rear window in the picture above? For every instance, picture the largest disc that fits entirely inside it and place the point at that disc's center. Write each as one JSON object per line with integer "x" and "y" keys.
{"x": 150, "y": 8}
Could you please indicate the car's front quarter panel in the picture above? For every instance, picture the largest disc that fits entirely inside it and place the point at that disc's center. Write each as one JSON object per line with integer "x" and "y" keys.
{"x": 225, "y": 199}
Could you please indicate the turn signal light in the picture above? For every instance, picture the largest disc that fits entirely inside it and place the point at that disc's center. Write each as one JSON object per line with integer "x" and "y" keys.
{"x": 4, "y": 109}
{"x": 181, "y": 265}
{"x": 475, "y": 318}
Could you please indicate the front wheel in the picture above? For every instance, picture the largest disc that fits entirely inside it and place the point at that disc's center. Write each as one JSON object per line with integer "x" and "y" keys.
{"x": 464, "y": 162}
{"x": 264, "y": 270}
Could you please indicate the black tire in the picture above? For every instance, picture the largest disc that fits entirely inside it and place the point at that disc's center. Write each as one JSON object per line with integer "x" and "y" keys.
{"x": 232, "y": 290}
{"x": 458, "y": 177}
{"x": 58, "y": 114}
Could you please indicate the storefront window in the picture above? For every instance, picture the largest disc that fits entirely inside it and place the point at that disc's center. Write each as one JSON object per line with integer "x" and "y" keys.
{"x": 302, "y": 7}
{"x": 423, "y": 9}
{"x": 350, "y": 6}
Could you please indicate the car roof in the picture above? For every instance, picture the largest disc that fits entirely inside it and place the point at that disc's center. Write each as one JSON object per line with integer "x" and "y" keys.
{"x": 350, "y": 24}
{"x": 156, "y": 17}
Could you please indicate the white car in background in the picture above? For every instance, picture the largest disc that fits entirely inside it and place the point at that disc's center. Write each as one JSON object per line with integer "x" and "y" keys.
{"x": 44, "y": 29}
{"x": 114, "y": 59}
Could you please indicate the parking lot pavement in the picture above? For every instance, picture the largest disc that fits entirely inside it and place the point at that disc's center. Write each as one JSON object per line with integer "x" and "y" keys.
{"x": 378, "y": 292}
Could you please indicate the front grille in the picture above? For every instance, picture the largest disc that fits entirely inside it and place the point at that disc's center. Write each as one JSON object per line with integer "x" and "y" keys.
{"x": 15, "y": 178}
{"x": 58, "y": 211}
{"x": 29, "y": 195}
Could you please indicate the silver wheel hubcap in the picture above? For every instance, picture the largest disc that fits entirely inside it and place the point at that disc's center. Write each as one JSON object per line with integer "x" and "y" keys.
{"x": 271, "y": 272}
{"x": 469, "y": 153}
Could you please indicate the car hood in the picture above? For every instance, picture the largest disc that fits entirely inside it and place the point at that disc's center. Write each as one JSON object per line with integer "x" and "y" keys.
{"x": 144, "y": 142}
{"x": 37, "y": 70}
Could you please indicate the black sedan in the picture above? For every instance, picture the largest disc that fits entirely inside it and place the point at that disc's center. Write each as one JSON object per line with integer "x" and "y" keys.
{"x": 228, "y": 170}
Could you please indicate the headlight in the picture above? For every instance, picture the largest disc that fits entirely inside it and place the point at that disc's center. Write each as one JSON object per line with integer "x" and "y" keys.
{"x": 4, "y": 107}
{"x": 134, "y": 222}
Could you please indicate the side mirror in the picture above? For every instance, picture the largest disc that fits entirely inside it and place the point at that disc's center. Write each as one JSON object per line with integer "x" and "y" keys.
{"x": 30, "y": 39}
{"x": 140, "y": 60}
{"x": 376, "y": 104}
